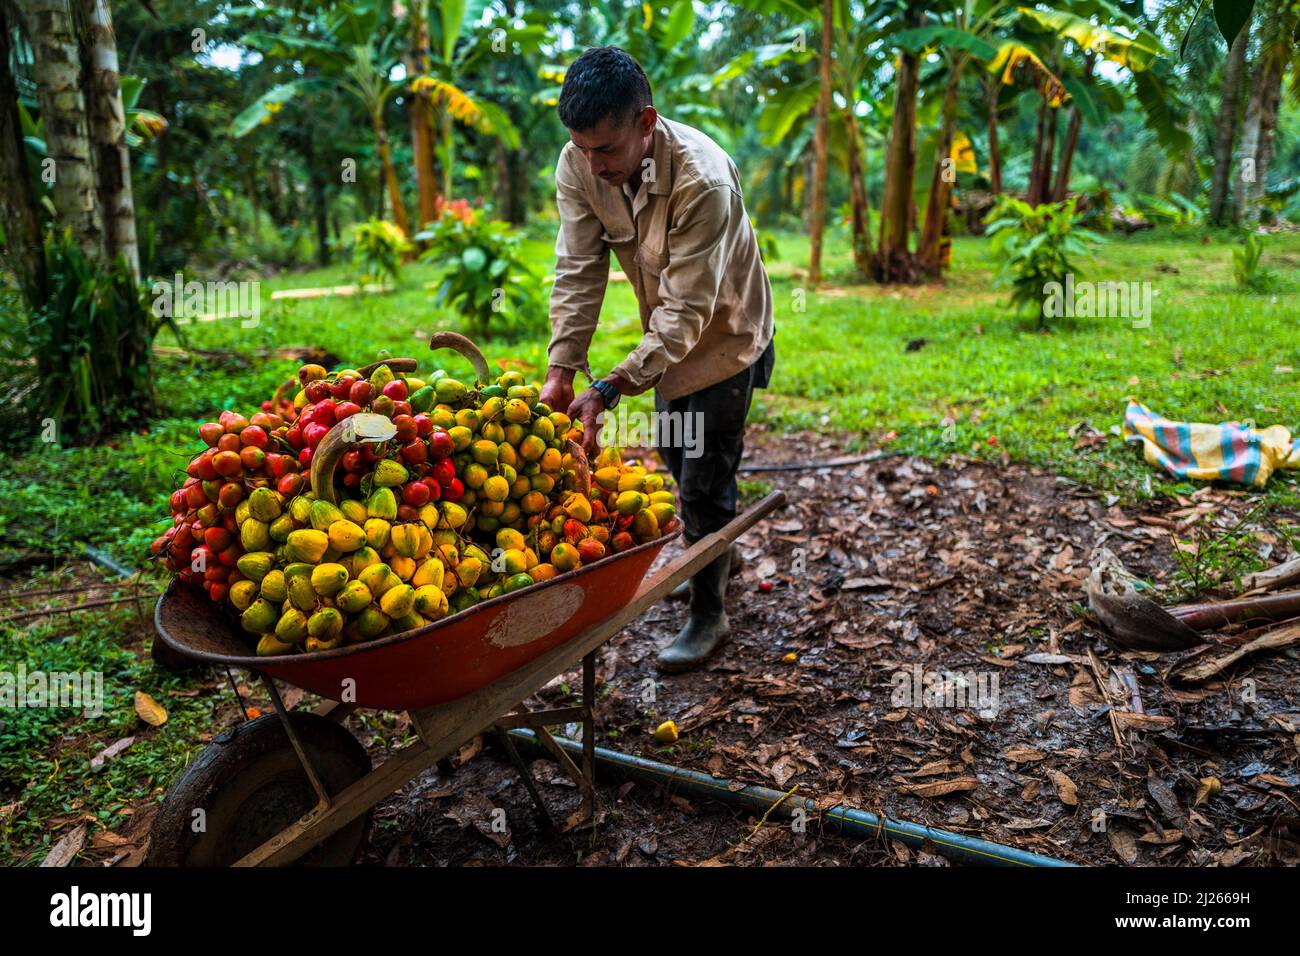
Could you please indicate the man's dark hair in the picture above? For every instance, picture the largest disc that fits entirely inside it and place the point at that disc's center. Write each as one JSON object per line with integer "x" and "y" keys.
{"x": 604, "y": 81}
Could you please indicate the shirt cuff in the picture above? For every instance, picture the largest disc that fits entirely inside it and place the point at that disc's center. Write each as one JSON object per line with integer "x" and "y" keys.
{"x": 568, "y": 355}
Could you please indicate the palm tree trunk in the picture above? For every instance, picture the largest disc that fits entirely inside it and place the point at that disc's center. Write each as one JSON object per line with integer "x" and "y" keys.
{"x": 821, "y": 131}
{"x": 417, "y": 64}
{"x": 1062, "y": 186}
{"x": 57, "y": 70}
{"x": 390, "y": 174}
{"x": 1269, "y": 102}
{"x": 107, "y": 123}
{"x": 19, "y": 214}
{"x": 1225, "y": 127}
{"x": 893, "y": 261}
{"x": 936, "y": 207}
{"x": 995, "y": 153}
{"x": 862, "y": 259}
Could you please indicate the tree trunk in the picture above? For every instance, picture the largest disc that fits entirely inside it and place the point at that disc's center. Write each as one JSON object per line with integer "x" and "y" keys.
{"x": 390, "y": 174}
{"x": 862, "y": 258}
{"x": 936, "y": 206}
{"x": 893, "y": 261}
{"x": 417, "y": 64}
{"x": 995, "y": 153}
{"x": 57, "y": 70}
{"x": 1040, "y": 176}
{"x": 1062, "y": 186}
{"x": 448, "y": 151}
{"x": 1225, "y": 127}
{"x": 817, "y": 213}
{"x": 1269, "y": 102}
{"x": 107, "y": 118}
{"x": 19, "y": 214}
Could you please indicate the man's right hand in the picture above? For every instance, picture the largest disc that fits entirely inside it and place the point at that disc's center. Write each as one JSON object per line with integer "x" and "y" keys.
{"x": 557, "y": 390}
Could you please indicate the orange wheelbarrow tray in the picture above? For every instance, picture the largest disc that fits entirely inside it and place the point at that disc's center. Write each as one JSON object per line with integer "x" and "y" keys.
{"x": 294, "y": 785}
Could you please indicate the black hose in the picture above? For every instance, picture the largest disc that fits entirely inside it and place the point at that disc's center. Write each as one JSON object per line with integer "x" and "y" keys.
{"x": 838, "y": 819}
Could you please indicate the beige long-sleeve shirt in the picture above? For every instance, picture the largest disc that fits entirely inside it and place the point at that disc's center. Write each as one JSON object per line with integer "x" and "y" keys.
{"x": 689, "y": 250}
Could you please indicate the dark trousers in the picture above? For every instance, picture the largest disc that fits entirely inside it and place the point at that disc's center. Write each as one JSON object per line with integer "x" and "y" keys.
{"x": 701, "y": 440}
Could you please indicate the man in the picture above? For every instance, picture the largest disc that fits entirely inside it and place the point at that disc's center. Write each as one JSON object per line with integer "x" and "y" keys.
{"x": 667, "y": 200}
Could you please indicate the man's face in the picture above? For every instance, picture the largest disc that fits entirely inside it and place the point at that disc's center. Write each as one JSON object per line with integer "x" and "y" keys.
{"x": 614, "y": 150}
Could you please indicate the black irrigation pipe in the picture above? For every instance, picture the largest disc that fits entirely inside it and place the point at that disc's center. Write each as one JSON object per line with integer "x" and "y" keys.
{"x": 838, "y": 819}
{"x": 834, "y": 463}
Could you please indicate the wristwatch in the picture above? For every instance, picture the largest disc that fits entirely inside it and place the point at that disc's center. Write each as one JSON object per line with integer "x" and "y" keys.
{"x": 608, "y": 392}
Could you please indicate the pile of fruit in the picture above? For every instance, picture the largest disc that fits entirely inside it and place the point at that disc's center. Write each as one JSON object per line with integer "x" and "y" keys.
{"x": 375, "y": 502}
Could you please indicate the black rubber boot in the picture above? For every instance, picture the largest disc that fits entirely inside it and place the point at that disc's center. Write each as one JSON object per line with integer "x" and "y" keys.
{"x": 707, "y": 629}
{"x": 683, "y": 591}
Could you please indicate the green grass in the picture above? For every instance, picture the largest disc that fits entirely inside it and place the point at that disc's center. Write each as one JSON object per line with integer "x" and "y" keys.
{"x": 1212, "y": 352}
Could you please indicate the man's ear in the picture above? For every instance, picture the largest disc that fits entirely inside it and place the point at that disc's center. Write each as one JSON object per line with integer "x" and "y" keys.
{"x": 646, "y": 121}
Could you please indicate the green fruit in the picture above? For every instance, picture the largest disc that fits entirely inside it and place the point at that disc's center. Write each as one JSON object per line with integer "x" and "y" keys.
{"x": 397, "y": 600}
{"x": 422, "y": 400}
{"x": 372, "y": 622}
{"x": 515, "y": 582}
{"x": 292, "y": 626}
{"x": 274, "y": 587}
{"x": 485, "y": 452}
{"x": 324, "y": 514}
{"x": 354, "y": 598}
{"x": 409, "y": 622}
{"x": 381, "y": 377}
{"x": 326, "y": 624}
{"x": 268, "y": 645}
{"x": 254, "y": 535}
{"x": 264, "y": 504}
{"x": 259, "y": 617}
{"x": 281, "y": 528}
{"x": 449, "y": 391}
{"x": 301, "y": 594}
{"x": 297, "y": 567}
{"x": 255, "y": 566}
{"x": 353, "y": 510}
{"x": 465, "y": 598}
{"x": 388, "y": 474}
{"x": 328, "y": 579}
{"x": 300, "y": 509}
{"x": 382, "y": 503}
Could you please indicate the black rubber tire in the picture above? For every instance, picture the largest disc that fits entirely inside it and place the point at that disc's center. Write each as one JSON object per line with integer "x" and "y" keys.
{"x": 250, "y": 785}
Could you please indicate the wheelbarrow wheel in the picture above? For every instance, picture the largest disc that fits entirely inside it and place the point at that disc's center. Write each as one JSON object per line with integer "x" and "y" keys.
{"x": 250, "y": 785}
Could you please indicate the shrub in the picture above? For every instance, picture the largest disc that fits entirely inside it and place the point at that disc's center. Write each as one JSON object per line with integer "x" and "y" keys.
{"x": 378, "y": 247}
{"x": 1034, "y": 245}
{"x": 1246, "y": 268}
{"x": 481, "y": 274}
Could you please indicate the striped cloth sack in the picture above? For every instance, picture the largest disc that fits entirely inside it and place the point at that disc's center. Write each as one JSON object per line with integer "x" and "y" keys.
{"x": 1230, "y": 451}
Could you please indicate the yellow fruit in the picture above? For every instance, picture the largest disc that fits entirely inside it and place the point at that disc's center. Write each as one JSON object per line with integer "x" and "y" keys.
{"x": 255, "y": 565}
{"x": 542, "y": 572}
{"x": 510, "y": 561}
{"x": 630, "y": 502}
{"x": 663, "y": 513}
{"x": 406, "y": 539}
{"x": 301, "y": 594}
{"x": 264, "y": 504}
{"x": 474, "y": 475}
{"x": 577, "y": 506}
{"x": 484, "y": 452}
{"x": 565, "y": 556}
{"x": 663, "y": 497}
{"x": 517, "y": 411}
{"x": 354, "y": 598}
{"x": 645, "y": 526}
{"x": 363, "y": 558}
{"x": 328, "y": 579}
{"x": 467, "y": 573}
{"x": 259, "y": 617}
{"x": 506, "y": 453}
{"x": 607, "y": 478}
{"x": 274, "y": 587}
{"x": 496, "y": 488}
{"x": 325, "y": 625}
{"x": 653, "y": 483}
{"x": 397, "y": 601}
{"x": 630, "y": 481}
{"x": 510, "y": 539}
{"x": 323, "y": 514}
{"x": 666, "y": 733}
{"x": 292, "y": 626}
{"x": 430, "y": 601}
{"x": 376, "y": 531}
{"x": 354, "y": 511}
{"x": 468, "y": 418}
{"x": 453, "y": 515}
{"x": 299, "y": 509}
{"x": 551, "y": 460}
{"x": 544, "y": 429}
{"x": 347, "y": 536}
{"x": 242, "y": 594}
{"x": 460, "y": 437}
{"x": 608, "y": 456}
{"x": 532, "y": 503}
{"x": 372, "y": 622}
{"x": 306, "y": 545}
{"x": 429, "y": 572}
{"x": 379, "y": 578}
{"x": 404, "y": 568}
{"x": 255, "y": 535}
{"x": 270, "y": 646}
{"x": 280, "y": 528}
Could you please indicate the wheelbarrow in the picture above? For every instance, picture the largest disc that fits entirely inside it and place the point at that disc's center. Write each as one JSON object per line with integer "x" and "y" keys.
{"x": 297, "y": 786}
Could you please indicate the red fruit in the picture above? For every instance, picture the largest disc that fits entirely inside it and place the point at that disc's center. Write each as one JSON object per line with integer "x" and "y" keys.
{"x": 227, "y": 464}
{"x": 180, "y": 561}
{"x": 265, "y": 420}
{"x": 313, "y": 433}
{"x": 415, "y": 494}
{"x": 232, "y": 422}
{"x": 156, "y": 546}
{"x": 252, "y": 456}
{"x": 215, "y": 570}
{"x": 361, "y": 392}
{"x": 177, "y": 500}
{"x": 621, "y": 541}
{"x": 765, "y": 586}
{"x": 423, "y": 425}
{"x": 352, "y": 460}
{"x": 212, "y": 489}
{"x": 326, "y": 412}
{"x": 289, "y": 485}
{"x": 370, "y": 453}
{"x": 441, "y": 446}
{"x": 402, "y": 408}
{"x": 218, "y": 590}
{"x": 210, "y": 432}
{"x": 183, "y": 540}
{"x": 406, "y": 427}
{"x": 435, "y": 488}
{"x": 231, "y": 494}
{"x": 195, "y": 496}
{"x": 318, "y": 391}
{"x": 407, "y": 513}
{"x": 304, "y": 457}
{"x": 266, "y": 405}
{"x": 574, "y": 531}
{"x": 598, "y": 512}
{"x": 415, "y": 451}
{"x": 201, "y": 467}
{"x": 231, "y": 555}
{"x": 383, "y": 405}
{"x": 294, "y": 436}
{"x": 341, "y": 387}
{"x": 283, "y": 465}
{"x": 229, "y": 442}
{"x": 216, "y": 538}
{"x": 443, "y": 471}
{"x": 229, "y": 521}
{"x": 345, "y": 410}
{"x": 254, "y": 435}
{"x": 589, "y": 549}
{"x": 453, "y": 490}
{"x": 352, "y": 479}
{"x": 396, "y": 390}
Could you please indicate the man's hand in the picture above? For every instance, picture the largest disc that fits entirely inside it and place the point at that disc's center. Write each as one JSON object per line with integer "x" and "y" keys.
{"x": 585, "y": 408}
{"x": 557, "y": 390}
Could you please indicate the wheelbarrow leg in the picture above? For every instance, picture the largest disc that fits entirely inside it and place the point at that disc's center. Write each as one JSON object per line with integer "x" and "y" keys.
{"x": 526, "y": 776}
{"x": 323, "y": 802}
{"x": 588, "y": 809}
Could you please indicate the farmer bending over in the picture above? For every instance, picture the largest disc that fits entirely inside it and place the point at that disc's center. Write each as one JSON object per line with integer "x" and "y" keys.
{"x": 666, "y": 199}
